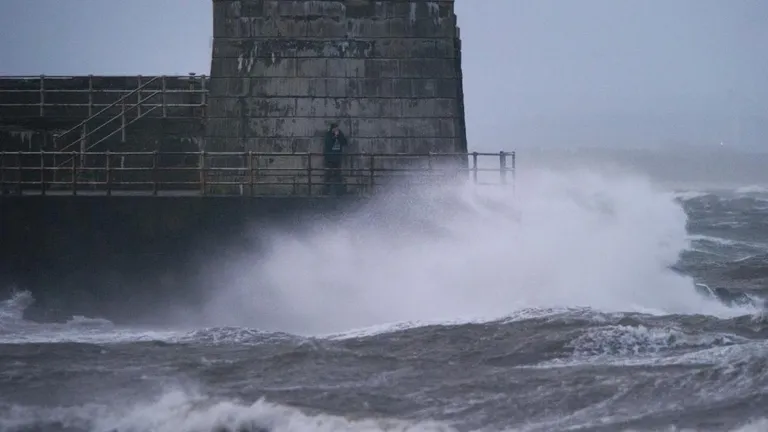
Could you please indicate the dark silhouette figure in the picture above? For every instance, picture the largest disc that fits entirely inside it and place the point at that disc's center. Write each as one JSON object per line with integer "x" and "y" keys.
{"x": 335, "y": 143}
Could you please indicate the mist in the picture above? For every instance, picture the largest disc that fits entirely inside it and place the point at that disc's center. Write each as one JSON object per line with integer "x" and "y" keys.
{"x": 569, "y": 239}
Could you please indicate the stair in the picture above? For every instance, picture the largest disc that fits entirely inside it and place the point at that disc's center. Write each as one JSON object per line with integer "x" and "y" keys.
{"x": 130, "y": 113}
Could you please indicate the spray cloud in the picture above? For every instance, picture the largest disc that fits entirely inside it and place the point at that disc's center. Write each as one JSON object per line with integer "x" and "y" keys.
{"x": 455, "y": 251}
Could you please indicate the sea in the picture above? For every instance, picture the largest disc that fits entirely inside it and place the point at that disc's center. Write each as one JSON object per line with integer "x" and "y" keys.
{"x": 573, "y": 301}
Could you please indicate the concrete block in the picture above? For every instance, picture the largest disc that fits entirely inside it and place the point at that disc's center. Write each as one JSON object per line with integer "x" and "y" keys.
{"x": 397, "y": 128}
{"x": 416, "y": 107}
{"x": 299, "y": 127}
{"x": 302, "y": 48}
{"x": 381, "y": 68}
{"x": 335, "y": 87}
{"x": 432, "y": 68}
{"x": 322, "y": 107}
{"x": 374, "y": 107}
{"x": 312, "y": 67}
{"x": 286, "y": 87}
{"x": 324, "y": 27}
{"x": 266, "y": 67}
{"x": 224, "y": 127}
{"x": 346, "y": 67}
{"x": 367, "y": 29}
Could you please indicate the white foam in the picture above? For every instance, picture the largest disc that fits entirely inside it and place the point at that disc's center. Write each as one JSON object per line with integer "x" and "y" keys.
{"x": 752, "y": 189}
{"x": 575, "y": 239}
{"x": 185, "y": 411}
{"x": 621, "y": 340}
{"x": 689, "y": 195}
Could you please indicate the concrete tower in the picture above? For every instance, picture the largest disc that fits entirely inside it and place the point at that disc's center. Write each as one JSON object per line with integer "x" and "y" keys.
{"x": 388, "y": 71}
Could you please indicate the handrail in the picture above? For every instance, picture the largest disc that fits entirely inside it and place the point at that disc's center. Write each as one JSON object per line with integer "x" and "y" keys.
{"x": 230, "y": 173}
{"x": 63, "y": 77}
{"x": 120, "y": 100}
{"x": 115, "y": 117}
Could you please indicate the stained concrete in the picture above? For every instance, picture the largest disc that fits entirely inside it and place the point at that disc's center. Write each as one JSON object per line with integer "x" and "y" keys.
{"x": 121, "y": 257}
{"x": 389, "y": 72}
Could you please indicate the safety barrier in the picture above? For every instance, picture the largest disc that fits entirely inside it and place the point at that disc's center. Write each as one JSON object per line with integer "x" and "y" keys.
{"x": 237, "y": 173}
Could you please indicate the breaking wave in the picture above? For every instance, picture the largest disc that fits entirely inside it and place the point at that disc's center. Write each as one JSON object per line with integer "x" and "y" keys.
{"x": 576, "y": 239}
{"x": 188, "y": 411}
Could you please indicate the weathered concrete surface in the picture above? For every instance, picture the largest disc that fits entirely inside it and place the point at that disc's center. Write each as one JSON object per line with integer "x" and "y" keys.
{"x": 25, "y": 127}
{"x": 389, "y": 72}
{"x": 132, "y": 258}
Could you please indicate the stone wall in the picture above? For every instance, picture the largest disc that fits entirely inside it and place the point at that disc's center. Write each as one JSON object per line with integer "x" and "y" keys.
{"x": 389, "y": 72}
{"x": 123, "y": 256}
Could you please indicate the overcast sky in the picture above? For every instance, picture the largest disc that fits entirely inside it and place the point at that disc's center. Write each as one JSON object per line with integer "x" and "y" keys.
{"x": 546, "y": 72}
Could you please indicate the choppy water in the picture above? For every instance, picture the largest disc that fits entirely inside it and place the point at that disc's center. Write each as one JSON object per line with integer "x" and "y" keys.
{"x": 617, "y": 342}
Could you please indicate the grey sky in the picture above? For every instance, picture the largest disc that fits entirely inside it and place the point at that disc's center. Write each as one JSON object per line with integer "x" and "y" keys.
{"x": 544, "y": 72}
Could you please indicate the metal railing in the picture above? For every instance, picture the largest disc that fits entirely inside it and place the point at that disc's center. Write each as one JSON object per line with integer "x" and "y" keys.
{"x": 239, "y": 173}
{"x": 48, "y": 92}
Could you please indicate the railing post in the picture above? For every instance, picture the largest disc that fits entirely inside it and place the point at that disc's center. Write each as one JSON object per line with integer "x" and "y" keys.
{"x": 309, "y": 174}
{"x": 154, "y": 172}
{"x": 90, "y": 95}
{"x": 42, "y": 95}
{"x": 474, "y": 167}
{"x": 122, "y": 125}
{"x": 20, "y": 172}
{"x": 42, "y": 172}
{"x": 165, "y": 104}
{"x": 202, "y": 172}
{"x": 204, "y": 94}
{"x": 74, "y": 173}
{"x": 83, "y": 143}
{"x": 138, "y": 97}
{"x": 108, "y": 169}
{"x": 514, "y": 172}
{"x": 372, "y": 171}
{"x": 503, "y": 166}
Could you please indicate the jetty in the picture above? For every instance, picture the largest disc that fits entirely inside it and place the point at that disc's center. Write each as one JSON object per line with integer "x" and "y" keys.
{"x": 104, "y": 178}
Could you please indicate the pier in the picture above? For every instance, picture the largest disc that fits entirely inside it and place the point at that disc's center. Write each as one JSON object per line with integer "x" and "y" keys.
{"x": 117, "y": 191}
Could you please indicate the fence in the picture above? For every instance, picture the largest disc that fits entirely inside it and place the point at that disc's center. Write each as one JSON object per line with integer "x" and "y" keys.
{"x": 238, "y": 174}
{"x": 84, "y": 96}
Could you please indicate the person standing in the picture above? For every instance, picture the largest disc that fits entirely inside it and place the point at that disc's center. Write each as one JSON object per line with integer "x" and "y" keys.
{"x": 335, "y": 143}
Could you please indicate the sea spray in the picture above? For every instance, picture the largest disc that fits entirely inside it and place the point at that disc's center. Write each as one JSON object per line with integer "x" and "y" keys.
{"x": 440, "y": 252}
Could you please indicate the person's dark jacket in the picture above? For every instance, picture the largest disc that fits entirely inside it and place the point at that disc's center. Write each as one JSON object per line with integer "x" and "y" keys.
{"x": 334, "y": 146}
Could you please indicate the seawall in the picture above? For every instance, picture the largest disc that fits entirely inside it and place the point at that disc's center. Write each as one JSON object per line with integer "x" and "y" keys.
{"x": 120, "y": 257}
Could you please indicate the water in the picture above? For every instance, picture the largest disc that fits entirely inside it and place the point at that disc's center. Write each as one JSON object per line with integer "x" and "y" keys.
{"x": 571, "y": 305}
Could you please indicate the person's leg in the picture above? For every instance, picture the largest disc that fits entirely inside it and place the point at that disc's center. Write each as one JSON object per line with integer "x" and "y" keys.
{"x": 331, "y": 168}
{"x": 327, "y": 178}
{"x": 337, "y": 180}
